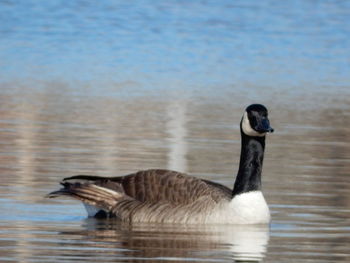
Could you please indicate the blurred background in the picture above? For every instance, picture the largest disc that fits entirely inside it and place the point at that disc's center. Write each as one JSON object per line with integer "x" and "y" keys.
{"x": 112, "y": 87}
{"x": 109, "y": 48}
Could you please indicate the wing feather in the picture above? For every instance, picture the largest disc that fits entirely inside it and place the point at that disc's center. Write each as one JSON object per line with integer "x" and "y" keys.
{"x": 147, "y": 196}
{"x": 174, "y": 187}
{"x": 157, "y": 185}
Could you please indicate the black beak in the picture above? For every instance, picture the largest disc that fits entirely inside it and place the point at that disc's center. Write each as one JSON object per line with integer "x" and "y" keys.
{"x": 264, "y": 126}
{"x": 271, "y": 130}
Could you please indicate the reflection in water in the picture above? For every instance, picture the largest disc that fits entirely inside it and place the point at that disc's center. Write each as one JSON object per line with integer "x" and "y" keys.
{"x": 172, "y": 242}
{"x": 25, "y": 157}
{"x": 177, "y": 130}
{"x": 113, "y": 242}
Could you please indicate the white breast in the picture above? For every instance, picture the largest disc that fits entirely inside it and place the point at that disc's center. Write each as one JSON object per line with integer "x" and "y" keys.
{"x": 246, "y": 208}
{"x": 250, "y": 208}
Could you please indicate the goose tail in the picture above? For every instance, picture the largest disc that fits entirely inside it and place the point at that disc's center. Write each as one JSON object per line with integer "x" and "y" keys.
{"x": 90, "y": 194}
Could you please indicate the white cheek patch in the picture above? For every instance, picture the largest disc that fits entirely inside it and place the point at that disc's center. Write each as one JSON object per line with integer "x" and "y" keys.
{"x": 247, "y": 129}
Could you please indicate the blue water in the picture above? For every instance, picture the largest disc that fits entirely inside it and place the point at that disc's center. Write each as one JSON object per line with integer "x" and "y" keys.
{"x": 287, "y": 46}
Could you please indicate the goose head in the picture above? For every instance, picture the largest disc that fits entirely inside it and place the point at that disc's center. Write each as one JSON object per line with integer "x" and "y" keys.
{"x": 255, "y": 121}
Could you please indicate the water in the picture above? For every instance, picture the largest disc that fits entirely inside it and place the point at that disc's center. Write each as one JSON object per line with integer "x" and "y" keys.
{"x": 109, "y": 88}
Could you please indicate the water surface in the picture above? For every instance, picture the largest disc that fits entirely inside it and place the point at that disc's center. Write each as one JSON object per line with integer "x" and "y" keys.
{"x": 305, "y": 180}
{"x": 110, "y": 88}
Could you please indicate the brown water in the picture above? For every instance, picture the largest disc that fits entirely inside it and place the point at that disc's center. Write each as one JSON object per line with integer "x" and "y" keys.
{"x": 48, "y": 134}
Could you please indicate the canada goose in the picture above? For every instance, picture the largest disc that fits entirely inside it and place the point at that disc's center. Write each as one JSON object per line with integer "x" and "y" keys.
{"x": 168, "y": 196}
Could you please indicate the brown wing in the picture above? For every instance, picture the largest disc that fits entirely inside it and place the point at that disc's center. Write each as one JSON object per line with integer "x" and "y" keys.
{"x": 162, "y": 185}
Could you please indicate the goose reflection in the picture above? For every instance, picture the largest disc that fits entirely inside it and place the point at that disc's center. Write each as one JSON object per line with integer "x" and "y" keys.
{"x": 163, "y": 243}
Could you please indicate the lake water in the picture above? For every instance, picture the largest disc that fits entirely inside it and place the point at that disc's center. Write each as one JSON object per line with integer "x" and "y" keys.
{"x": 109, "y": 88}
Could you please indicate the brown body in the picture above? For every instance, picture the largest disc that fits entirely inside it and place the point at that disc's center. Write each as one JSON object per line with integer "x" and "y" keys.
{"x": 150, "y": 195}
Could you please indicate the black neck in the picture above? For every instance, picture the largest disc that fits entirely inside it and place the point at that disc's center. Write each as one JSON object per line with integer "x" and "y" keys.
{"x": 250, "y": 165}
